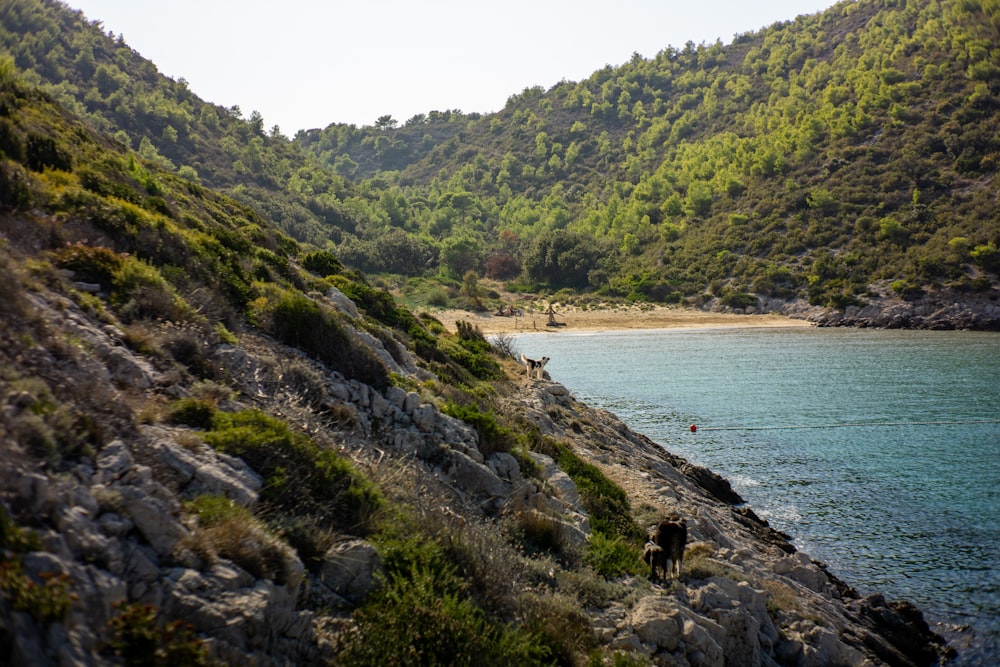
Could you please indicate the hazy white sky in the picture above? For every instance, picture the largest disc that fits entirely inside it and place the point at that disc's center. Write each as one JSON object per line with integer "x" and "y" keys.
{"x": 309, "y": 63}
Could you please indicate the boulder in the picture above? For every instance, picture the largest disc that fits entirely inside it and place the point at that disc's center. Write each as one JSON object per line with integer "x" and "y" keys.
{"x": 349, "y": 569}
{"x": 201, "y": 470}
{"x": 656, "y": 621}
{"x": 156, "y": 514}
{"x": 128, "y": 370}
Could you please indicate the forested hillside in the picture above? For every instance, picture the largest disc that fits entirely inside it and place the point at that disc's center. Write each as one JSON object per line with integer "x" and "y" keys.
{"x": 99, "y": 77}
{"x": 809, "y": 160}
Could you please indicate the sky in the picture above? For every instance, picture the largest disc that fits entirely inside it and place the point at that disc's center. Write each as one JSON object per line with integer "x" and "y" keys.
{"x": 308, "y": 63}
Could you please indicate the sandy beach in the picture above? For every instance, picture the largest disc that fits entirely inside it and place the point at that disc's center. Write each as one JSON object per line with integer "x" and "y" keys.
{"x": 611, "y": 319}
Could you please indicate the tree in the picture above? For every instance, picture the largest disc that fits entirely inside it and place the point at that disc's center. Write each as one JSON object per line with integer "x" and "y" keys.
{"x": 470, "y": 288}
{"x": 502, "y": 266}
{"x": 562, "y": 258}
{"x": 461, "y": 254}
{"x": 386, "y": 122}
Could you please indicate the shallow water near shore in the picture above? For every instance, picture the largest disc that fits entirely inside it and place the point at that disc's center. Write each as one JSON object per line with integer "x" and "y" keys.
{"x": 877, "y": 451}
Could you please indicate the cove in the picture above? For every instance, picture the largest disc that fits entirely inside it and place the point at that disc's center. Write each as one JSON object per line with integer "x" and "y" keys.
{"x": 878, "y": 451}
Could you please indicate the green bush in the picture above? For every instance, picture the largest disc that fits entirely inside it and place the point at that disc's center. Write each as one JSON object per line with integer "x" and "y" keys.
{"x": 421, "y": 615}
{"x": 193, "y": 412}
{"x": 14, "y": 538}
{"x": 479, "y": 362}
{"x": 493, "y": 437}
{"x": 322, "y": 263}
{"x": 735, "y": 299}
{"x": 47, "y": 600}
{"x": 299, "y": 321}
{"x": 904, "y": 289}
{"x": 140, "y": 291}
{"x": 612, "y": 556}
{"x": 301, "y": 478}
{"x": 93, "y": 264}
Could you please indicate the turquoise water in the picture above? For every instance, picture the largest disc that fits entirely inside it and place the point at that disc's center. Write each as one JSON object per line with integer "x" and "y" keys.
{"x": 877, "y": 451}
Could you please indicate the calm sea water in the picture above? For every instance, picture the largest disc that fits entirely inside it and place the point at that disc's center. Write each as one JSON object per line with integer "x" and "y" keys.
{"x": 877, "y": 451}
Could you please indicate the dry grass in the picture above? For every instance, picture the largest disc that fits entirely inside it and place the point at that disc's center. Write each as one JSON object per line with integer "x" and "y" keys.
{"x": 226, "y": 530}
{"x": 699, "y": 564}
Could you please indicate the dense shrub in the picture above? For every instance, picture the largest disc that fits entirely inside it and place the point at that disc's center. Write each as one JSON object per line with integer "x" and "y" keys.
{"x": 299, "y": 321}
{"x": 46, "y": 600}
{"x": 322, "y": 263}
{"x": 139, "y": 638}
{"x": 193, "y": 412}
{"x": 736, "y": 299}
{"x": 493, "y": 437}
{"x": 300, "y": 477}
{"x": 611, "y": 556}
{"x": 93, "y": 264}
{"x": 140, "y": 291}
{"x": 480, "y": 364}
{"x": 422, "y": 614}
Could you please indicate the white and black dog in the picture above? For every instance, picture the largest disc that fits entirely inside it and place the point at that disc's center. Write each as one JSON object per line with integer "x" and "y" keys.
{"x": 534, "y": 367}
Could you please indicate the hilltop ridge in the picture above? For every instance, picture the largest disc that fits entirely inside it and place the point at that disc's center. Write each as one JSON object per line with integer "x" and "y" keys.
{"x": 835, "y": 159}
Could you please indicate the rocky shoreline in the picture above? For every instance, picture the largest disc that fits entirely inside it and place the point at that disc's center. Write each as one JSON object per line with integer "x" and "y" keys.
{"x": 940, "y": 310}
{"x": 112, "y": 526}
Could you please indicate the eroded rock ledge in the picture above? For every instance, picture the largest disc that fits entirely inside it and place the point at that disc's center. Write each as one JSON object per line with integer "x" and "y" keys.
{"x": 882, "y": 309}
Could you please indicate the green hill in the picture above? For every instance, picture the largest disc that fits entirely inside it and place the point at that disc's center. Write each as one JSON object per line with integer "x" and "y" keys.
{"x": 829, "y": 158}
{"x": 811, "y": 158}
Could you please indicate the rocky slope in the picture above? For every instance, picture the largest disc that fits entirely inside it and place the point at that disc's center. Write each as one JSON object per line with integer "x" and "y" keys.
{"x": 882, "y": 308}
{"x": 103, "y": 518}
{"x": 942, "y": 309}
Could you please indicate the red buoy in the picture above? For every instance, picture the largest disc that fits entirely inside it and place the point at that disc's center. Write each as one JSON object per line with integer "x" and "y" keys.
{"x": 693, "y": 428}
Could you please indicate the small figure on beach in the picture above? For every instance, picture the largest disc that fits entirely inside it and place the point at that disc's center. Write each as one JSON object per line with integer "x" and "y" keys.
{"x": 551, "y": 312}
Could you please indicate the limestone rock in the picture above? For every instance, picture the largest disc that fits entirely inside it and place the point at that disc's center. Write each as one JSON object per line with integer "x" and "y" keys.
{"x": 156, "y": 514}
{"x": 127, "y": 370}
{"x": 201, "y": 470}
{"x": 349, "y": 569}
{"x": 656, "y": 621}
{"x": 343, "y": 303}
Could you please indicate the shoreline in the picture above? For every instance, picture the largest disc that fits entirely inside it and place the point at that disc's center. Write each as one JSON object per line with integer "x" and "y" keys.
{"x": 575, "y": 320}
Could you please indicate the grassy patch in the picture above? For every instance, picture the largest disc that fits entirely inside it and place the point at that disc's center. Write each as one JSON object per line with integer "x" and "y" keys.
{"x": 300, "y": 477}
{"x": 605, "y": 501}
{"x": 232, "y": 532}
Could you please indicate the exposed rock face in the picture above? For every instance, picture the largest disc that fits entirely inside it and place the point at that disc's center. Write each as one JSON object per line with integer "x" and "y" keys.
{"x": 885, "y": 310}
{"x": 116, "y": 527}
